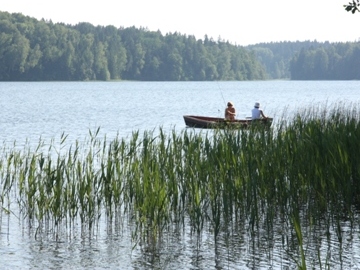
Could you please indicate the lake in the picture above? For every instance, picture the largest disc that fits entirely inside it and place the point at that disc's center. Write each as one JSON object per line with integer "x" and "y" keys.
{"x": 48, "y": 109}
{"x": 31, "y": 111}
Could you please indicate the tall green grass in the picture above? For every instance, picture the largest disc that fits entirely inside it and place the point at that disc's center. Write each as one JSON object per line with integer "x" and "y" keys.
{"x": 303, "y": 169}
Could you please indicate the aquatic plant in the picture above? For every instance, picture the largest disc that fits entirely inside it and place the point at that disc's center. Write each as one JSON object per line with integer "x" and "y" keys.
{"x": 304, "y": 171}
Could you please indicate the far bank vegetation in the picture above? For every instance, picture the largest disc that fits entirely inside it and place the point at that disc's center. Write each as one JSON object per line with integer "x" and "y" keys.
{"x": 39, "y": 50}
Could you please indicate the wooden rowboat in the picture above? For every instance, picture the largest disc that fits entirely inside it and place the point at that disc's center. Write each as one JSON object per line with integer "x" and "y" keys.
{"x": 217, "y": 122}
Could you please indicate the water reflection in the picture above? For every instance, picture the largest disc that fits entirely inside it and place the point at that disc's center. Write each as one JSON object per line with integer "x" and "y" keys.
{"x": 268, "y": 246}
{"x": 328, "y": 242}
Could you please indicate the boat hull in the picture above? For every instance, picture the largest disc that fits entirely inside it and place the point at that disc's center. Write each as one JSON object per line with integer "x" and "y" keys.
{"x": 216, "y": 122}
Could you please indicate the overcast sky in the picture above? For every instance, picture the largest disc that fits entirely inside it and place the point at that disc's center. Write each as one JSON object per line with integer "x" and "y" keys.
{"x": 240, "y": 22}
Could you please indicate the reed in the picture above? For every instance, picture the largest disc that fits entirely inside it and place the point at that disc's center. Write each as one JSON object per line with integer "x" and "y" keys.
{"x": 156, "y": 179}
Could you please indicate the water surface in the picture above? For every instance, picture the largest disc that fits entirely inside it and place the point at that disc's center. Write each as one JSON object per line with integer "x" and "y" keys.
{"x": 31, "y": 111}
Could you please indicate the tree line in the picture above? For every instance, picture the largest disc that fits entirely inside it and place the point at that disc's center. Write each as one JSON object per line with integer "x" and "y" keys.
{"x": 309, "y": 60}
{"x": 276, "y": 56}
{"x": 337, "y": 61}
{"x": 40, "y": 50}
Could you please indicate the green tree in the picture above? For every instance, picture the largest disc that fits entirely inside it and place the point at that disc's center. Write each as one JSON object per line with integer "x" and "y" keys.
{"x": 224, "y": 67}
{"x": 116, "y": 55}
{"x": 135, "y": 54}
{"x": 153, "y": 45}
{"x": 14, "y": 50}
{"x": 100, "y": 62}
{"x": 85, "y": 58}
{"x": 350, "y": 66}
{"x": 321, "y": 64}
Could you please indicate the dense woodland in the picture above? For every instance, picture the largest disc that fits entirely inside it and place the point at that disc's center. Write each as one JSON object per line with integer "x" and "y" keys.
{"x": 276, "y": 56}
{"x": 310, "y": 60}
{"x": 339, "y": 61}
{"x": 39, "y": 50}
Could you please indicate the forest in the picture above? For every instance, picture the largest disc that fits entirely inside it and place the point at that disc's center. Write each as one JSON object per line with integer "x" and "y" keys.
{"x": 39, "y": 50}
{"x": 340, "y": 61}
{"x": 310, "y": 60}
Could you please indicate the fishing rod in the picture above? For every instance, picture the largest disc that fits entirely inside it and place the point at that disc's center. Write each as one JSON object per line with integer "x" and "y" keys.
{"x": 225, "y": 103}
{"x": 217, "y": 83}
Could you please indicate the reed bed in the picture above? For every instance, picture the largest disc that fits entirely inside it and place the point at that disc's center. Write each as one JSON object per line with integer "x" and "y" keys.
{"x": 304, "y": 171}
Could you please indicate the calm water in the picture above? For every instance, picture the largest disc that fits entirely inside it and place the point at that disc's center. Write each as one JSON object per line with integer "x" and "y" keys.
{"x": 30, "y": 111}
{"x": 48, "y": 109}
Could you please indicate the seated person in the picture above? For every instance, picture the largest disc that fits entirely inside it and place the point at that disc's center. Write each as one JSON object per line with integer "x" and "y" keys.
{"x": 230, "y": 111}
{"x": 256, "y": 112}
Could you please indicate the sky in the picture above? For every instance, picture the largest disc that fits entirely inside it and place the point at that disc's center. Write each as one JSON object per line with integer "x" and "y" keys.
{"x": 241, "y": 22}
